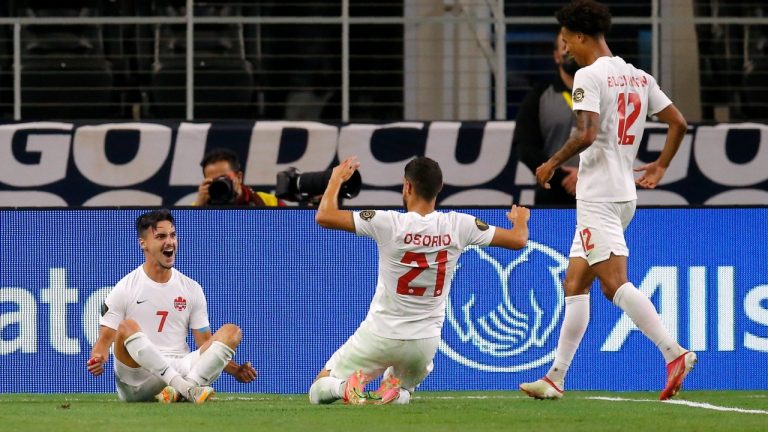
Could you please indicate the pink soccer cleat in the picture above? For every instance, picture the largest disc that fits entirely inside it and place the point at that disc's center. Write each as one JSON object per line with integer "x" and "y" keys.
{"x": 354, "y": 388}
{"x": 388, "y": 392}
{"x": 677, "y": 370}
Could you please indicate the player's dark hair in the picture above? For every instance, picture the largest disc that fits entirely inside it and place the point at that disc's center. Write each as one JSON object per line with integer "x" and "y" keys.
{"x": 585, "y": 16}
{"x": 426, "y": 177}
{"x": 221, "y": 154}
{"x": 151, "y": 219}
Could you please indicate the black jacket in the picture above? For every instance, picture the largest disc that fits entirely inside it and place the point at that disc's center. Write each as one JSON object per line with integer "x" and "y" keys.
{"x": 542, "y": 126}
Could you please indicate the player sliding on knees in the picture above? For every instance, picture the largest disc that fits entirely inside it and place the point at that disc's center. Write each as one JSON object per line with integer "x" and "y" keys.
{"x": 418, "y": 252}
{"x": 148, "y": 316}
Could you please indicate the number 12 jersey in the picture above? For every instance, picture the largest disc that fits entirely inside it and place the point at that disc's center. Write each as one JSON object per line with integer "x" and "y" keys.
{"x": 623, "y": 96}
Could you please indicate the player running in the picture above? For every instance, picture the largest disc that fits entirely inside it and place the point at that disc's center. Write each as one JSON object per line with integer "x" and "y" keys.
{"x": 611, "y": 100}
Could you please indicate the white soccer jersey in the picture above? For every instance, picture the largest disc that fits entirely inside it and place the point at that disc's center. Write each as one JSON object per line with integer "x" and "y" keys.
{"x": 623, "y": 96}
{"x": 417, "y": 258}
{"x": 165, "y": 311}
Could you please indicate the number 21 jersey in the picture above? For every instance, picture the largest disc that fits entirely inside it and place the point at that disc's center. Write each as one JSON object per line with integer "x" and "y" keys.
{"x": 417, "y": 259}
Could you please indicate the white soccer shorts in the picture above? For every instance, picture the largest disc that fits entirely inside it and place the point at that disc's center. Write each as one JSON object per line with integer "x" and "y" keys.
{"x": 140, "y": 385}
{"x": 411, "y": 360}
{"x": 600, "y": 230}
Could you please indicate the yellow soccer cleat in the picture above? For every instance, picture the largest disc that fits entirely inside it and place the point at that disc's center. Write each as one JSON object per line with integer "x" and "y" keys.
{"x": 199, "y": 395}
{"x": 168, "y": 395}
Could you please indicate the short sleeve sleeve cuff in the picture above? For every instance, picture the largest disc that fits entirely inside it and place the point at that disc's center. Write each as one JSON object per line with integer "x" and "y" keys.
{"x": 364, "y": 225}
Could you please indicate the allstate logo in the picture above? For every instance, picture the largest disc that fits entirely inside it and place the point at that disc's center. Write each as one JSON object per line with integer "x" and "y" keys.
{"x": 500, "y": 317}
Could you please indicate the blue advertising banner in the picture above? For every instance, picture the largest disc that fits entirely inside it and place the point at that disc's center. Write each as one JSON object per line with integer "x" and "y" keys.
{"x": 298, "y": 291}
{"x": 57, "y": 164}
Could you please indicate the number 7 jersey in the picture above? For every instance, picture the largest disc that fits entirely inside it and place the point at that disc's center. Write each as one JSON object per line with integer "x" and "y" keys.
{"x": 623, "y": 96}
{"x": 166, "y": 312}
{"x": 417, "y": 259}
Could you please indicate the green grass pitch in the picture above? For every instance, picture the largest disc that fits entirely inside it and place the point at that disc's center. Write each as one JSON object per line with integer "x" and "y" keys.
{"x": 428, "y": 411}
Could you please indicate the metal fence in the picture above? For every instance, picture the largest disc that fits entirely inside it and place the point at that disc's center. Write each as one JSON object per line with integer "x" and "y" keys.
{"x": 347, "y": 60}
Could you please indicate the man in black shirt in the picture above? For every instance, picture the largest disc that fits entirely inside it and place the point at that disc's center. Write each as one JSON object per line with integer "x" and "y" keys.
{"x": 542, "y": 126}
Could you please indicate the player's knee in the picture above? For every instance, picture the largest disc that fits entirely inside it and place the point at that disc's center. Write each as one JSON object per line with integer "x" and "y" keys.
{"x": 128, "y": 327}
{"x": 607, "y": 291}
{"x": 314, "y": 394}
{"x": 610, "y": 283}
{"x": 324, "y": 390}
{"x": 609, "y": 286}
{"x": 231, "y": 334}
{"x": 572, "y": 287}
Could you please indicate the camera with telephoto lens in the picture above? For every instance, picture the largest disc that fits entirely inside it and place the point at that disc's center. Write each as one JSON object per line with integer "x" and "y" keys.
{"x": 293, "y": 185}
{"x": 221, "y": 191}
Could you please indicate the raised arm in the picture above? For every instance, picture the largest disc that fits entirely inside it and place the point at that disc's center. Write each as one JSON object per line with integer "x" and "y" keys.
{"x": 587, "y": 124}
{"x": 653, "y": 172}
{"x": 517, "y": 237}
{"x": 328, "y": 213}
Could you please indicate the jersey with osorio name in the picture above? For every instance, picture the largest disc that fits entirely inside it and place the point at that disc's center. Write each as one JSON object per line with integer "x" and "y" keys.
{"x": 417, "y": 259}
{"x": 165, "y": 311}
{"x": 623, "y": 96}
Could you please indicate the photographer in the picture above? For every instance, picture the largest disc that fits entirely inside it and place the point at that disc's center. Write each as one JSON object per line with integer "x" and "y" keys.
{"x": 223, "y": 184}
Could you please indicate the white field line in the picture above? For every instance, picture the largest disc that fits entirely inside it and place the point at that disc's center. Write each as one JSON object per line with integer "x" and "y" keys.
{"x": 683, "y": 402}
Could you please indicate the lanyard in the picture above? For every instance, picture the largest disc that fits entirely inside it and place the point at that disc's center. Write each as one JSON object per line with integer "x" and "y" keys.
{"x": 568, "y": 99}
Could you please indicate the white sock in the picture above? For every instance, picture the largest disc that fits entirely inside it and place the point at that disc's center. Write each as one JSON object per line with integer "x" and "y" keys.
{"x": 147, "y": 356}
{"x": 387, "y": 373}
{"x": 574, "y": 325}
{"x": 211, "y": 363}
{"x": 642, "y": 312}
{"x": 181, "y": 384}
{"x": 326, "y": 390}
{"x": 403, "y": 399}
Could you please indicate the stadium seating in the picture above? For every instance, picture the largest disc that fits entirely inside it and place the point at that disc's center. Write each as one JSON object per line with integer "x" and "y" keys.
{"x": 65, "y": 72}
{"x": 6, "y": 69}
{"x": 223, "y": 77}
{"x": 223, "y": 88}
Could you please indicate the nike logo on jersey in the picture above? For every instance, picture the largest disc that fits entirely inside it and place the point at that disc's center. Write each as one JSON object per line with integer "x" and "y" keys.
{"x": 164, "y": 370}
{"x": 140, "y": 302}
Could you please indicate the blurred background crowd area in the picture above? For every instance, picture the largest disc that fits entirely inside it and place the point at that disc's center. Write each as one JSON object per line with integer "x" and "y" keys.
{"x": 357, "y": 61}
